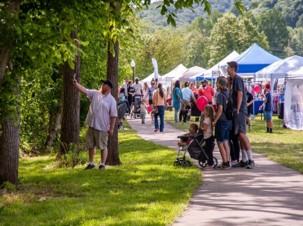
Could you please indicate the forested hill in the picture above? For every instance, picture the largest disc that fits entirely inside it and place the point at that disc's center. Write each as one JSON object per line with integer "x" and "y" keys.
{"x": 291, "y": 10}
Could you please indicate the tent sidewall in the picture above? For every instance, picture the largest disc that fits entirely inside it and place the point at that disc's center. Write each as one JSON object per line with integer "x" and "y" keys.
{"x": 293, "y": 104}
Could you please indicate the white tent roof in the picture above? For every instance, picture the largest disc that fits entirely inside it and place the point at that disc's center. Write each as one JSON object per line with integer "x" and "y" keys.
{"x": 149, "y": 78}
{"x": 214, "y": 71}
{"x": 295, "y": 74}
{"x": 280, "y": 68}
{"x": 176, "y": 73}
{"x": 191, "y": 72}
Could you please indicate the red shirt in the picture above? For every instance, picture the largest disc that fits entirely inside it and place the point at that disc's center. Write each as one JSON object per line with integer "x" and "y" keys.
{"x": 208, "y": 92}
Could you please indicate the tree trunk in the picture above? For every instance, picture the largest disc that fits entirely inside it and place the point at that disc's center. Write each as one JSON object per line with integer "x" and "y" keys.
{"x": 70, "y": 125}
{"x": 54, "y": 124}
{"x": 9, "y": 120}
{"x": 9, "y": 150}
{"x": 112, "y": 74}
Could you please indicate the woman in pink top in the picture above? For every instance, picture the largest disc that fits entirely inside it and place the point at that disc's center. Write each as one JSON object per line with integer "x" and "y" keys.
{"x": 159, "y": 102}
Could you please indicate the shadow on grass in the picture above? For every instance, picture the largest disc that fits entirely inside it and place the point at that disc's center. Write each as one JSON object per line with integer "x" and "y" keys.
{"x": 146, "y": 190}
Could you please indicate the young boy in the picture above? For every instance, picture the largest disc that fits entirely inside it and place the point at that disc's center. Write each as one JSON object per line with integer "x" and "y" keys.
{"x": 186, "y": 138}
{"x": 143, "y": 111}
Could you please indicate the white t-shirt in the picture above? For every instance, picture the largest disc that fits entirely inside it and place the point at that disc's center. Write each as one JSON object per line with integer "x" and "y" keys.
{"x": 101, "y": 109}
{"x": 138, "y": 88}
{"x": 143, "y": 108}
{"x": 209, "y": 132}
{"x": 187, "y": 93}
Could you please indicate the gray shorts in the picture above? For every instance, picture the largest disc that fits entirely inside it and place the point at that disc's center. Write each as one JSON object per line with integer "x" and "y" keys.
{"x": 239, "y": 123}
{"x": 96, "y": 138}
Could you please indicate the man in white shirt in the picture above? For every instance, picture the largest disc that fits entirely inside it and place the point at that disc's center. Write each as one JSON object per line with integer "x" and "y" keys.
{"x": 187, "y": 94}
{"x": 138, "y": 87}
{"x": 101, "y": 119}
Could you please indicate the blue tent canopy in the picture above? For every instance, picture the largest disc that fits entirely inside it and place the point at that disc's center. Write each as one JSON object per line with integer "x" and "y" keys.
{"x": 254, "y": 59}
{"x": 200, "y": 78}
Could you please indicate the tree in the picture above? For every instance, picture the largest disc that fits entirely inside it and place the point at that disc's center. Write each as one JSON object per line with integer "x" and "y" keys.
{"x": 232, "y": 33}
{"x": 273, "y": 24}
{"x": 296, "y": 42}
{"x": 39, "y": 37}
{"x": 112, "y": 74}
{"x": 165, "y": 45}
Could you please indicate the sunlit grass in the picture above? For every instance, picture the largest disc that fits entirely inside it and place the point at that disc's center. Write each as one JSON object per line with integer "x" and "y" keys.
{"x": 146, "y": 190}
{"x": 283, "y": 146}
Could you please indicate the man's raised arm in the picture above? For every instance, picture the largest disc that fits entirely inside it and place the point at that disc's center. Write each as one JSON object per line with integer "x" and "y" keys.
{"x": 81, "y": 88}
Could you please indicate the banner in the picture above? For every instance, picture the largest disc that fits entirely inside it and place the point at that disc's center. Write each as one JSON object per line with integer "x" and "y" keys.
{"x": 156, "y": 74}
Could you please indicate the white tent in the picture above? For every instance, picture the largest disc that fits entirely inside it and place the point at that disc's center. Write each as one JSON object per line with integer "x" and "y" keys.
{"x": 280, "y": 68}
{"x": 293, "y": 102}
{"x": 149, "y": 78}
{"x": 176, "y": 73}
{"x": 215, "y": 70}
{"x": 191, "y": 72}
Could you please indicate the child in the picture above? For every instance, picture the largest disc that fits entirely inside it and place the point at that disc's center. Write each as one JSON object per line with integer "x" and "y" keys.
{"x": 123, "y": 100}
{"x": 143, "y": 110}
{"x": 186, "y": 138}
{"x": 208, "y": 137}
{"x": 122, "y": 95}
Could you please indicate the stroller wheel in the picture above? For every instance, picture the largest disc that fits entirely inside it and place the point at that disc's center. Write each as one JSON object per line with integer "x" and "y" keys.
{"x": 202, "y": 163}
{"x": 186, "y": 163}
{"x": 177, "y": 163}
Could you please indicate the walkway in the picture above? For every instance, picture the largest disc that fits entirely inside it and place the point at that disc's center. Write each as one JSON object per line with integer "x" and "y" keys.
{"x": 270, "y": 194}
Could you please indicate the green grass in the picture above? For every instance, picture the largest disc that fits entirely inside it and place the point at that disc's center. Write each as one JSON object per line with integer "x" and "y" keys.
{"x": 146, "y": 190}
{"x": 284, "y": 146}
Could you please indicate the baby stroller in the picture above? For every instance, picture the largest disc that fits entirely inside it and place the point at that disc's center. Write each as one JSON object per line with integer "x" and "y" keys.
{"x": 195, "y": 148}
{"x": 137, "y": 102}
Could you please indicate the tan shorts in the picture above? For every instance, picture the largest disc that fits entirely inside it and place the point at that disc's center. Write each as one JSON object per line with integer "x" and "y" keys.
{"x": 96, "y": 138}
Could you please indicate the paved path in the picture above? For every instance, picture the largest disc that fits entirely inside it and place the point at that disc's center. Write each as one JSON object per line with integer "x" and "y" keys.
{"x": 270, "y": 194}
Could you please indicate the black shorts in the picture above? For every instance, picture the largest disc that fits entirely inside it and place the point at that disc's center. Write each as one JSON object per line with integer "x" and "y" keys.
{"x": 150, "y": 102}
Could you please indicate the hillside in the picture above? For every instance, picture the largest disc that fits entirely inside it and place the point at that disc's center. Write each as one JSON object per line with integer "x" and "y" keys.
{"x": 291, "y": 10}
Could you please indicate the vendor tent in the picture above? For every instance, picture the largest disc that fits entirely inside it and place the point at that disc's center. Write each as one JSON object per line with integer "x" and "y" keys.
{"x": 200, "y": 78}
{"x": 191, "y": 72}
{"x": 176, "y": 73}
{"x": 293, "y": 102}
{"x": 280, "y": 68}
{"x": 149, "y": 78}
{"x": 214, "y": 71}
{"x": 254, "y": 59}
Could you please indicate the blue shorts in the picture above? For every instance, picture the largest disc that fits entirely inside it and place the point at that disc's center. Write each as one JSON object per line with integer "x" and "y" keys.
{"x": 267, "y": 115}
{"x": 222, "y": 130}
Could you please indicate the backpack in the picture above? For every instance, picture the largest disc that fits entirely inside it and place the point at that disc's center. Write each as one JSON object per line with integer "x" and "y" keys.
{"x": 229, "y": 107}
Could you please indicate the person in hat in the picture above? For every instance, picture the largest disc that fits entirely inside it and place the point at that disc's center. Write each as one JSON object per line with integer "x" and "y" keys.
{"x": 239, "y": 117}
{"x": 101, "y": 119}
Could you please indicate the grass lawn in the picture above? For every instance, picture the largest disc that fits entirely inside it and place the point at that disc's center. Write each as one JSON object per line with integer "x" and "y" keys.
{"x": 284, "y": 146}
{"x": 146, "y": 190}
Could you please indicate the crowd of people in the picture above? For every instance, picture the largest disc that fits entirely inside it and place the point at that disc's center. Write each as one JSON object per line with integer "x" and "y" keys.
{"x": 214, "y": 121}
{"x": 228, "y": 129}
